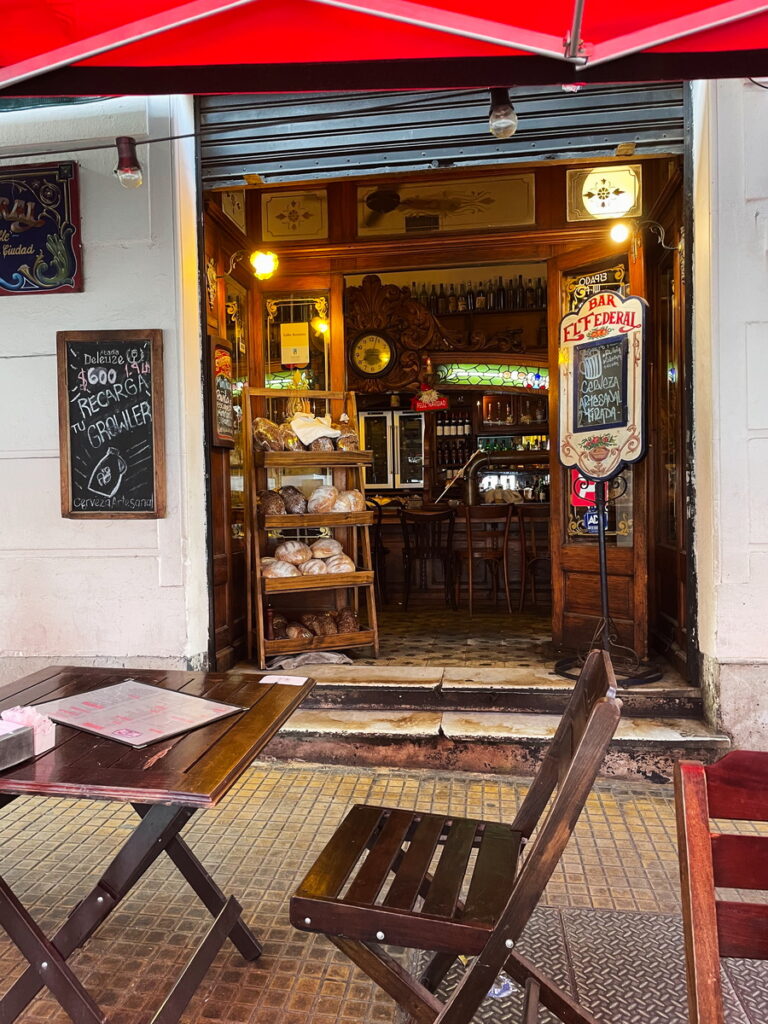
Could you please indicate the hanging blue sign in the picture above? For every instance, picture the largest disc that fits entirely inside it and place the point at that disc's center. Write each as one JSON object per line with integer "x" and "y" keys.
{"x": 40, "y": 229}
{"x": 590, "y": 520}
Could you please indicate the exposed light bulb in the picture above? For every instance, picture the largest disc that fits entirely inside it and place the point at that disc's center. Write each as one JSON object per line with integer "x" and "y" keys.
{"x": 620, "y": 231}
{"x": 128, "y": 168}
{"x": 502, "y": 120}
{"x": 264, "y": 264}
{"x": 319, "y": 325}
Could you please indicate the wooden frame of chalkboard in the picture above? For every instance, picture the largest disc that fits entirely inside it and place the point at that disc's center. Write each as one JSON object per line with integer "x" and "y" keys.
{"x": 111, "y": 424}
{"x": 222, "y": 406}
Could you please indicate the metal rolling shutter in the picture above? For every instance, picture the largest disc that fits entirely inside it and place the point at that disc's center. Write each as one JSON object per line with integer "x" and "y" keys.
{"x": 282, "y": 137}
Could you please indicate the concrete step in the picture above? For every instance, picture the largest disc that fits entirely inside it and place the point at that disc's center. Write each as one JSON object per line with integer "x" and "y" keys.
{"x": 644, "y": 748}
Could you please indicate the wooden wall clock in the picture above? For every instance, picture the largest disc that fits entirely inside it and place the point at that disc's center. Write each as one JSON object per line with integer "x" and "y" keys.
{"x": 372, "y": 353}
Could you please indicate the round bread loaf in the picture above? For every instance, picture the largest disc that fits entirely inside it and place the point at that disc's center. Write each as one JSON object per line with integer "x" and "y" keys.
{"x": 291, "y": 442}
{"x": 322, "y": 500}
{"x": 278, "y": 570}
{"x": 346, "y": 621}
{"x": 267, "y": 436}
{"x": 295, "y": 631}
{"x": 314, "y": 567}
{"x": 321, "y": 444}
{"x": 326, "y": 547}
{"x": 327, "y": 624}
{"x": 294, "y": 500}
{"x": 271, "y": 504}
{"x": 347, "y": 441}
{"x": 340, "y": 563}
{"x": 312, "y": 621}
{"x": 294, "y": 551}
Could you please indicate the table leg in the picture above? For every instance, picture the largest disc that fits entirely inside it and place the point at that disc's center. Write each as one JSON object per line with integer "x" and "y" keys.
{"x": 145, "y": 844}
{"x": 208, "y": 892}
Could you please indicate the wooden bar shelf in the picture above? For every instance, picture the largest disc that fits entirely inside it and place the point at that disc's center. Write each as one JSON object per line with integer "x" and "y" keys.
{"x": 337, "y": 519}
{"x": 306, "y": 460}
{"x": 324, "y": 581}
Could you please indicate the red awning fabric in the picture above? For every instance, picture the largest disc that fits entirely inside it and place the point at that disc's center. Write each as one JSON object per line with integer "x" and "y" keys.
{"x": 61, "y": 47}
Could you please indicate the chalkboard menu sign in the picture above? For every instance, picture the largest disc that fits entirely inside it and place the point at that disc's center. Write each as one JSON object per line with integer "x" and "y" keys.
{"x": 222, "y": 406}
{"x": 602, "y": 384}
{"x": 111, "y": 424}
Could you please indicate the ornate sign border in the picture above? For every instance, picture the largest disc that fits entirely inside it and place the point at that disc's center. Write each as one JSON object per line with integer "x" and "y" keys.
{"x": 601, "y": 450}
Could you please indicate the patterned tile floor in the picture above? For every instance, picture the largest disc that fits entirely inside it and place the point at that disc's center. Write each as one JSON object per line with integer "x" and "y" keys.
{"x": 428, "y": 635}
{"x": 622, "y": 863}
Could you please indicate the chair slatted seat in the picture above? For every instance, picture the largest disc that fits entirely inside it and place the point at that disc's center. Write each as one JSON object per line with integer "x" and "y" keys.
{"x": 453, "y": 885}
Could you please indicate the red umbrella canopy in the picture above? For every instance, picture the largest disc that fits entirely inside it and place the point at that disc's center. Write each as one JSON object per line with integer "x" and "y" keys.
{"x": 207, "y": 46}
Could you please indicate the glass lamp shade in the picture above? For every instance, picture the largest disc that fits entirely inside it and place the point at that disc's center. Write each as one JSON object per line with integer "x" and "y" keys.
{"x": 128, "y": 168}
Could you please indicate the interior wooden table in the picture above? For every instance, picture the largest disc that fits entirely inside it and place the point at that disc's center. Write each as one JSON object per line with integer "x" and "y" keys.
{"x": 165, "y": 783}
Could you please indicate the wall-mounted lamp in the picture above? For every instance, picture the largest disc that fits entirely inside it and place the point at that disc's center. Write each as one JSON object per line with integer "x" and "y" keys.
{"x": 264, "y": 264}
{"x": 502, "y": 119}
{"x": 128, "y": 168}
{"x": 622, "y": 229}
{"x": 319, "y": 325}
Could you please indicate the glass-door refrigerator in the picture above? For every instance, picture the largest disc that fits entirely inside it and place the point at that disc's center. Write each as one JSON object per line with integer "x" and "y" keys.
{"x": 396, "y": 438}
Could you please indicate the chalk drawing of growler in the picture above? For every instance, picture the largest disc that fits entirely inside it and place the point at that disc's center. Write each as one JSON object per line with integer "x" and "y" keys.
{"x": 108, "y": 474}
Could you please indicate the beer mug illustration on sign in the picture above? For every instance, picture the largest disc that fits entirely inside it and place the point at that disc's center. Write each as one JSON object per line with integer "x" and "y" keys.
{"x": 108, "y": 474}
{"x": 593, "y": 365}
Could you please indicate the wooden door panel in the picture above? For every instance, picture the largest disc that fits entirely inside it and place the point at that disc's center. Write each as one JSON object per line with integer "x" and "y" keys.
{"x": 576, "y": 608}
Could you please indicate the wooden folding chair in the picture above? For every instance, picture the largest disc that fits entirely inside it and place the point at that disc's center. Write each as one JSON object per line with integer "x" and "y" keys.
{"x": 397, "y": 877}
{"x": 733, "y": 789}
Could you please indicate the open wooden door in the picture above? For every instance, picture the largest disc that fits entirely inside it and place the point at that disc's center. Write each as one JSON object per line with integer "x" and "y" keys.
{"x": 573, "y": 538}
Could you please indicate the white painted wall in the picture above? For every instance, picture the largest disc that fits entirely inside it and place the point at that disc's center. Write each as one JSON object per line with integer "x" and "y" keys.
{"x": 92, "y": 591}
{"x": 731, "y": 407}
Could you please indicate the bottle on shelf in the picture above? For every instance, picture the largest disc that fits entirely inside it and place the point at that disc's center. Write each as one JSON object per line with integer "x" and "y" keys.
{"x": 439, "y": 425}
{"x": 461, "y": 300}
{"x": 453, "y": 301}
{"x": 423, "y": 297}
{"x": 490, "y": 296}
{"x": 414, "y": 292}
{"x": 442, "y": 301}
{"x": 520, "y": 293}
{"x": 480, "y": 302}
{"x": 511, "y": 295}
{"x": 470, "y": 297}
{"x": 433, "y": 300}
{"x": 539, "y": 294}
{"x": 501, "y": 295}
{"x": 530, "y": 295}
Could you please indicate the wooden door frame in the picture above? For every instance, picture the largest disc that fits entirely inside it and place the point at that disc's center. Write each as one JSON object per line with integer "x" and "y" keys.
{"x": 637, "y": 556}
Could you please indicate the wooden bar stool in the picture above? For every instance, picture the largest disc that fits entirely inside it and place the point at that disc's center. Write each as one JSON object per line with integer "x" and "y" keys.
{"x": 530, "y": 555}
{"x": 487, "y": 541}
{"x": 427, "y": 536}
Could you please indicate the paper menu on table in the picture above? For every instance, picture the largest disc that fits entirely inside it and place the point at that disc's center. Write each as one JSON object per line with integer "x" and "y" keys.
{"x": 135, "y": 713}
{"x": 284, "y": 680}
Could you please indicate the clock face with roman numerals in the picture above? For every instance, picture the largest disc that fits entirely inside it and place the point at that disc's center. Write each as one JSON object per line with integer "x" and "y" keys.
{"x": 372, "y": 354}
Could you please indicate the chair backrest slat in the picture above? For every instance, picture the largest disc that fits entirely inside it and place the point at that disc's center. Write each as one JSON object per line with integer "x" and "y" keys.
{"x": 740, "y": 862}
{"x": 595, "y": 682}
{"x": 742, "y": 929}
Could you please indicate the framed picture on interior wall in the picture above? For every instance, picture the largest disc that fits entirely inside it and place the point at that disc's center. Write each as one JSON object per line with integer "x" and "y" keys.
{"x": 233, "y": 206}
{"x": 111, "y": 424}
{"x": 223, "y": 423}
{"x": 294, "y": 216}
{"x": 40, "y": 244}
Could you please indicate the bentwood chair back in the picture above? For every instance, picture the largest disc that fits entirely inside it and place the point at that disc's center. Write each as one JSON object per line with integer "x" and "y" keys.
{"x": 487, "y": 536}
{"x": 534, "y": 550}
{"x": 734, "y": 789}
{"x": 427, "y": 537}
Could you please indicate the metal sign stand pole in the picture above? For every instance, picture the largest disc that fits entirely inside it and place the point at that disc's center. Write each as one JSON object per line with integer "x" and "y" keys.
{"x": 600, "y": 503}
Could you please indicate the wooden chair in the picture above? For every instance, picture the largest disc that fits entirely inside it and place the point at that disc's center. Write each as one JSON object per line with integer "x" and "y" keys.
{"x": 530, "y": 556}
{"x": 487, "y": 541}
{"x": 733, "y": 789}
{"x": 395, "y": 877}
{"x": 427, "y": 536}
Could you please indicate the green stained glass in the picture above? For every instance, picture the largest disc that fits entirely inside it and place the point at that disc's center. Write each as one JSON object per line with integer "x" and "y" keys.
{"x": 530, "y": 378}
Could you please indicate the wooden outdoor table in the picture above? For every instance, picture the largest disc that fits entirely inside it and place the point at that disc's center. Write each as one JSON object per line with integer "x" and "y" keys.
{"x": 165, "y": 783}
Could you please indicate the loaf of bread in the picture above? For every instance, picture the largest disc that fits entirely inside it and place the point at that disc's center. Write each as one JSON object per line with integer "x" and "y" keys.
{"x": 346, "y": 621}
{"x": 278, "y": 570}
{"x": 288, "y": 436}
{"x": 280, "y": 630}
{"x": 322, "y": 500}
{"x": 312, "y": 621}
{"x": 321, "y": 444}
{"x": 349, "y": 501}
{"x": 314, "y": 567}
{"x": 347, "y": 441}
{"x": 295, "y": 631}
{"x": 294, "y": 500}
{"x": 340, "y": 563}
{"x": 328, "y": 625}
{"x": 294, "y": 551}
{"x": 271, "y": 504}
{"x": 326, "y": 547}
{"x": 279, "y": 619}
{"x": 267, "y": 436}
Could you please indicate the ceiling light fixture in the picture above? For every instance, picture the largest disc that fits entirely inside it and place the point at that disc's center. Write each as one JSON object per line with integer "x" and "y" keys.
{"x": 502, "y": 119}
{"x": 128, "y": 168}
